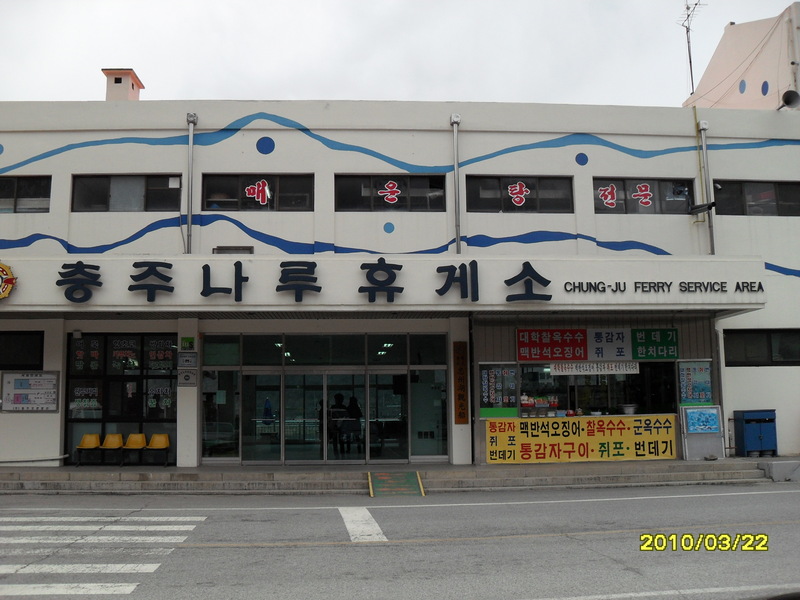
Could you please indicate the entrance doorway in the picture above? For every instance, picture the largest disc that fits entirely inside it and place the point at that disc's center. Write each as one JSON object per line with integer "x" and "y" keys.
{"x": 329, "y": 417}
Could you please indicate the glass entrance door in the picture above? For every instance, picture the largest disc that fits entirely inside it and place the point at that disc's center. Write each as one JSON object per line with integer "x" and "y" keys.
{"x": 325, "y": 417}
{"x": 345, "y": 395}
{"x": 304, "y": 417}
{"x": 261, "y": 415}
{"x": 388, "y": 416}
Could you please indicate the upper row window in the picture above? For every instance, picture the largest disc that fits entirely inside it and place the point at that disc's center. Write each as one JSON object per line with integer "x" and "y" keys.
{"x": 373, "y": 193}
{"x": 642, "y": 196}
{"x": 762, "y": 347}
{"x": 757, "y": 198}
{"x": 128, "y": 193}
{"x": 24, "y": 194}
{"x": 519, "y": 194}
{"x": 258, "y": 192}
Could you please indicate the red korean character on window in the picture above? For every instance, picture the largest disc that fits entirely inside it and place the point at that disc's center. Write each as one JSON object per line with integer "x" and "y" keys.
{"x": 608, "y": 195}
{"x": 518, "y": 191}
{"x": 390, "y": 192}
{"x": 260, "y": 191}
{"x": 643, "y": 194}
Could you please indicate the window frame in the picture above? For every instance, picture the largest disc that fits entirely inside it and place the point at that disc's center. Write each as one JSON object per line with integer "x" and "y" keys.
{"x": 531, "y": 202}
{"x": 149, "y": 203}
{"x": 14, "y": 341}
{"x": 15, "y": 197}
{"x": 737, "y": 197}
{"x": 769, "y": 352}
{"x": 426, "y": 198}
{"x": 626, "y": 187}
{"x": 279, "y": 201}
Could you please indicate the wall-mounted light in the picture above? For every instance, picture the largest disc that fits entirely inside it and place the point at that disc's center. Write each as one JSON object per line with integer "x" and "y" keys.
{"x": 701, "y": 208}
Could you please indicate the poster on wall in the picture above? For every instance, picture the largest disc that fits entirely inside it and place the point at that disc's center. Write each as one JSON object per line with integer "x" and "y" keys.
{"x": 35, "y": 391}
{"x": 580, "y": 439}
{"x": 703, "y": 435}
{"x": 498, "y": 390}
{"x": 694, "y": 379}
{"x": 702, "y": 420}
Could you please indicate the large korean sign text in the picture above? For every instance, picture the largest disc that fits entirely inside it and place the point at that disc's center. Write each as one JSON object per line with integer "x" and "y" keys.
{"x": 575, "y": 345}
{"x": 580, "y": 439}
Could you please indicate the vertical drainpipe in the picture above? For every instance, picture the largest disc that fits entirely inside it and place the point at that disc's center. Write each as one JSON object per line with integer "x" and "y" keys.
{"x": 708, "y": 184}
{"x": 191, "y": 119}
{"x": 455, "y": 119}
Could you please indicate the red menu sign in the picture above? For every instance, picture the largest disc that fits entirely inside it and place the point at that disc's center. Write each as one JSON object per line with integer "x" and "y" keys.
{"x": 551, "y": 344}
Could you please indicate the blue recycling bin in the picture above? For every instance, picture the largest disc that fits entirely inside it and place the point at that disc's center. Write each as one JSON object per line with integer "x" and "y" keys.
{"x": 754, "y": 432}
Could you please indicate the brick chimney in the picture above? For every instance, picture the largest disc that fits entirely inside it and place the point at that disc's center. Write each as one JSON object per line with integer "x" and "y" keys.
{"x": 122, "y": 84}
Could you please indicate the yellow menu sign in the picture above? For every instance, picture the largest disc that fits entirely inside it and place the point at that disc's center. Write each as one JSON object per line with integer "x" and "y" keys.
{"x": 580, "y": 439}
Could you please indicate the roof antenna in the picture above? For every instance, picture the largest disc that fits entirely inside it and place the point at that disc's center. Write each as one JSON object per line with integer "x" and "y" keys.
{"x": 688, "y": 15}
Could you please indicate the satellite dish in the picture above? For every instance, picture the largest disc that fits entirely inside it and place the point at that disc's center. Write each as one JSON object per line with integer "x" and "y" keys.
{"x": 790, "y": 98}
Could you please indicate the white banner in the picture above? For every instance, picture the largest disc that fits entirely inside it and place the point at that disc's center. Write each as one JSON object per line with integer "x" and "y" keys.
{"x": 594, "y": 368}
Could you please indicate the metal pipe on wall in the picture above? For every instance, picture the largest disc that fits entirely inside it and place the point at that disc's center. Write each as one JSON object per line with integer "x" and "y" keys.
{"x": 708, "y": 183}
{"x": 191, "y": 120}
{"x": 455, "y": 120}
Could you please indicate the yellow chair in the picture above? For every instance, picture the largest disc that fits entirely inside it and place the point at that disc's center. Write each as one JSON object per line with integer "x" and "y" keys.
{"x": 135, "y": 441}
{"x": 112, "y": 443}
{"x": 89, "y": 441}
{"x": 159, "y": 442}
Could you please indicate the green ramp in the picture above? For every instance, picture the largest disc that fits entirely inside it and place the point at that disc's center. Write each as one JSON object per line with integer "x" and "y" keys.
{"x": 395, "y": 484}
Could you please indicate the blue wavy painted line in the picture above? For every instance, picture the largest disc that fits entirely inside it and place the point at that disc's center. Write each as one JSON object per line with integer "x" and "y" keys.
{"x": 782, "y": 270}
{"x": 290, "y": 247}
{"x": 216, "y": 137}
{"x": 537, "y": 237}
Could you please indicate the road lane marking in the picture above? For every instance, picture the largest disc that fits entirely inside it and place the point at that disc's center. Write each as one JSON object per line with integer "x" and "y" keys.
{"x": 64, "y": 589}
{"x": 361, "y": 526}
{"x": 681, "y": 593}
{"x": 97, "y": 527}
{"x": 73, "y": 551}
{"x": 425, "y": 502}
{"x": 95, "y": 539}
{"x": 79, "y": 568}
{"x": 32, "y": 519}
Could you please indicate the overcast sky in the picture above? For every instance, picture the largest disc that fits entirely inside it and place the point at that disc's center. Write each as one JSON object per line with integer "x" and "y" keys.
{"x": 630, "y": 52}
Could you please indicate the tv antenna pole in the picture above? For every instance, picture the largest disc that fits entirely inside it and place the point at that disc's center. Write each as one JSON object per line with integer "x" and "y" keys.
{"x": 688, "y": 15}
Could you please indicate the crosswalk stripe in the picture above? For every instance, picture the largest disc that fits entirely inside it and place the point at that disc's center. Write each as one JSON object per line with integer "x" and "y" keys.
{"x": 97, "y": 527}
{"x": 95, "y": 539}
{"x": 73, "y": 551}
{"x": 97, "y": 519}
{"x": 79, "y": 568}
{"x": 361, "y": 526}
{"x": 63, "y": 589}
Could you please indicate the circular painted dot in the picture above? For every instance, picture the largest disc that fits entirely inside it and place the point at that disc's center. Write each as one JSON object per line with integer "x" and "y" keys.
{"x": 388, "y": 227}
{"x": 1, "y": 148}
{"x": 742, "y": 86}
{"x": 765, "y": 88}
{"x": 581, "y": 159}
{"x": 265, "y": 145}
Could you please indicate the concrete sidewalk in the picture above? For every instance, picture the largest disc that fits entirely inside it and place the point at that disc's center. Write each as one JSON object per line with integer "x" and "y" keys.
{"x": 353, "y": 479}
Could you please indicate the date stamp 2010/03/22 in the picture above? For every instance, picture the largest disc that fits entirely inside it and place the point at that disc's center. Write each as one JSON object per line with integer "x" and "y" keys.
{"x": 687, "y": 542}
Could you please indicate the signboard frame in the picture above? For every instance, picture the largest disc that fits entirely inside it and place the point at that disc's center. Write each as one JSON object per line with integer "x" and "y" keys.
{"x": 46, "y": 387}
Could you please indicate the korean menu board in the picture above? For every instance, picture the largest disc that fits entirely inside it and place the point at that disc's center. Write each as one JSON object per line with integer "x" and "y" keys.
{"x": 498, "y": 390}
{"x": 580, "y": 439}
{"x": 608, "y": 344}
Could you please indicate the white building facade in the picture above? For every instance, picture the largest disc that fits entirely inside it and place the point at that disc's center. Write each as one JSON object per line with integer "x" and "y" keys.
{"x": 232, "y": 272}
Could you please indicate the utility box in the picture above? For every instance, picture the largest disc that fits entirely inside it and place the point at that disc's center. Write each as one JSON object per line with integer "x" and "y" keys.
{"x": 755, "y": 433}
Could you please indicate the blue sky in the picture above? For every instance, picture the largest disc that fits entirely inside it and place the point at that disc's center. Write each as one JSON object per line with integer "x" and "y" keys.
{"x": 628, "y": 52}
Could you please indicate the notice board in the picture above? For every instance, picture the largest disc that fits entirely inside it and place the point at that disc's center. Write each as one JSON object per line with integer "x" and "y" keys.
{"x": 34, "y": 391}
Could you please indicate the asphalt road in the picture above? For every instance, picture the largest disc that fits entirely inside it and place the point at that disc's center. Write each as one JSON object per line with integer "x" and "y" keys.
{"x": 708, "y": 542}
